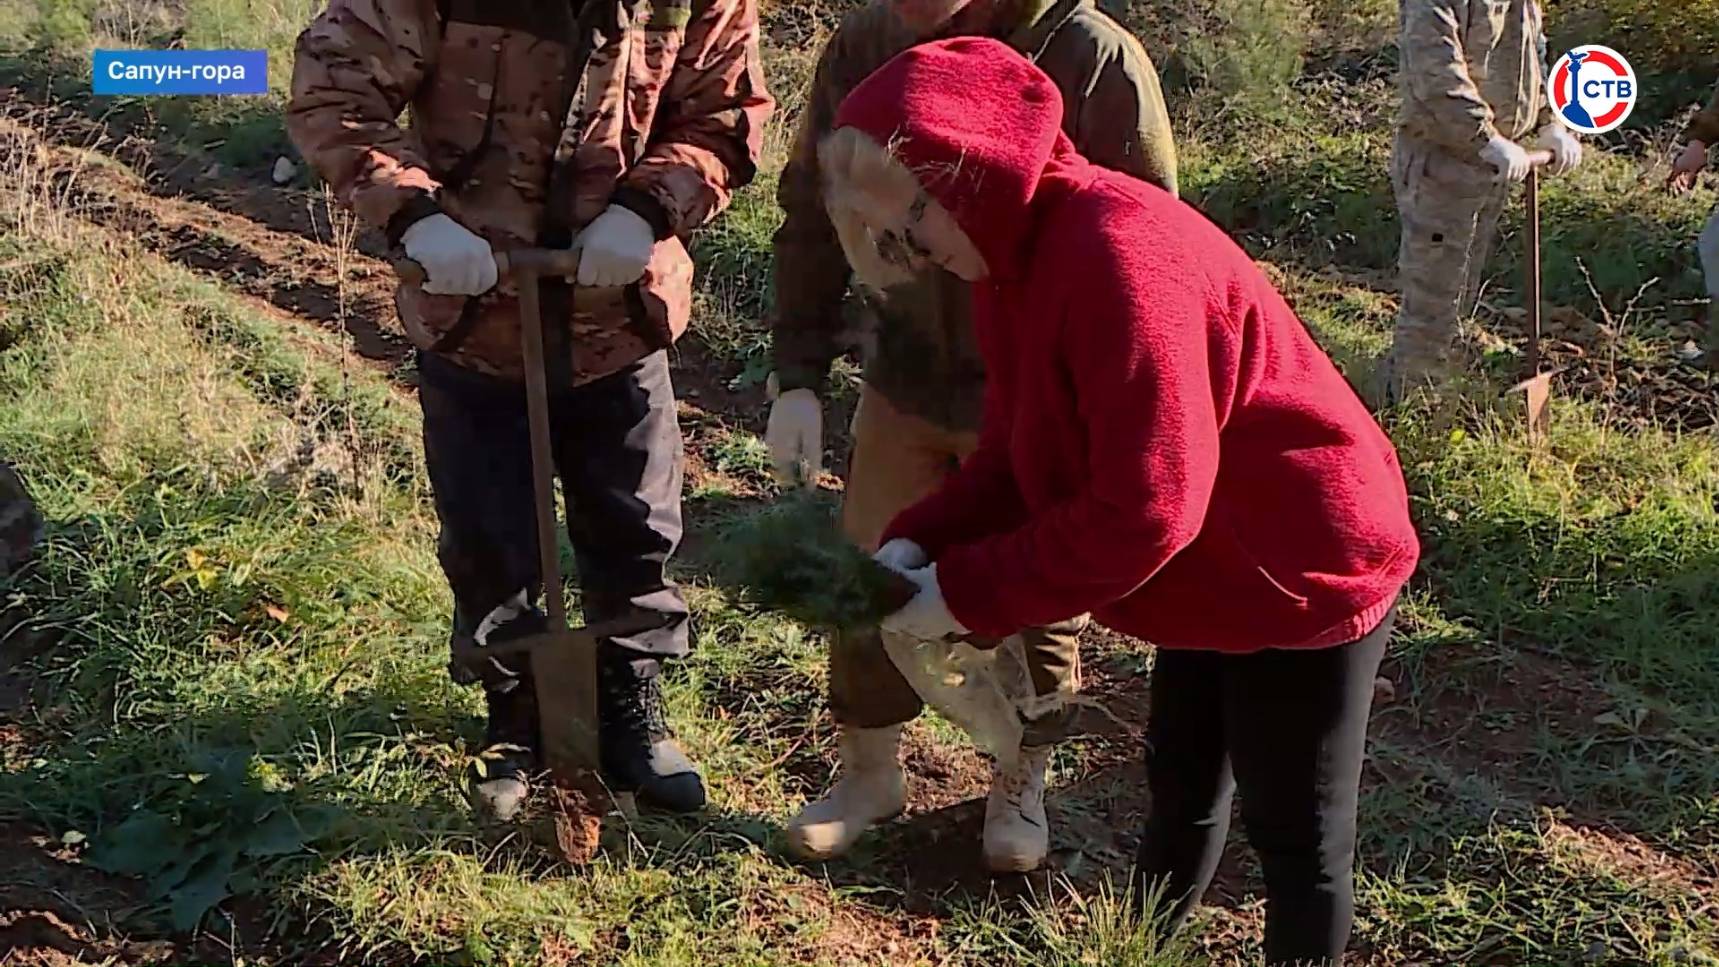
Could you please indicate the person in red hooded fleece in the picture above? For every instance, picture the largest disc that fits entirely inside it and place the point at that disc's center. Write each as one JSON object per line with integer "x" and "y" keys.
{"x": 1163, "y": 445}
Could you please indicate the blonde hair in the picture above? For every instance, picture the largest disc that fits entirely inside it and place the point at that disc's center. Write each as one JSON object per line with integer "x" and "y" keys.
{"x": 857, "y": 171}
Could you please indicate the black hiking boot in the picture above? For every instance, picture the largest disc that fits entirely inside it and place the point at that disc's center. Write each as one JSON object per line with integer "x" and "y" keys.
{"x": 639, "y": 754}
{"x": 501, "y": 776}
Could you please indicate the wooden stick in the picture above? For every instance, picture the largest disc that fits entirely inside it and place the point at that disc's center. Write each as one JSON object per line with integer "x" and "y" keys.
{"x": 1537, "y": 387}
{"x": 1533, "y": 268}
{"x": 542, "y": 448}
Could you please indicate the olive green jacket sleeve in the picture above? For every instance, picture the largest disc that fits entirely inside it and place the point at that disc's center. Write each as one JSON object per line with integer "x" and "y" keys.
{"x": 810, "y": 271}
{"x": 1438, "y": 87}
{"x": 1115, "y": 107}
{"x": 1124, "y": 125}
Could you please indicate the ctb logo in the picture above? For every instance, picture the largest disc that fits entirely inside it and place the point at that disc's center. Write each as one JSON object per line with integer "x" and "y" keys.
{"x": 1593, "y": 89}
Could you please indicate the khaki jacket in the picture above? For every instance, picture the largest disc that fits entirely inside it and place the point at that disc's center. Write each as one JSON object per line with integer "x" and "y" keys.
{"x": 530, "y": 117}
{"x": 920, "y": 350}
{"x": 1472, "y": 69}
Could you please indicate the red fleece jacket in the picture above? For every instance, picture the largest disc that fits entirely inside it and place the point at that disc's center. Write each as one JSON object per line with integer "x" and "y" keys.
{"x": 1163, "y": 443}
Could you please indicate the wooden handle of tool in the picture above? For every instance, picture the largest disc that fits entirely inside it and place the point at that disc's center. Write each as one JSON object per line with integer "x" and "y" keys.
{"x": 413, "y": 274}
{"x": 552, "y": 262}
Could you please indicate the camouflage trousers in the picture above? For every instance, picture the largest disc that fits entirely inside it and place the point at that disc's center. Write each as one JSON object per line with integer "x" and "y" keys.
{"x": 1450, "y": 208}
{"x": 897, "y": 459}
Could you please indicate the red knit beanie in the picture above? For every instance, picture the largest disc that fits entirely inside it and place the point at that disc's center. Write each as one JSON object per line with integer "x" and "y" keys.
{"x": 976, "y": 122}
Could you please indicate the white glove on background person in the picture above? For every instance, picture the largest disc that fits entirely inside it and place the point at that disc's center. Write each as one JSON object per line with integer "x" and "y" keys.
{"x": 926, "y": 617}
{"x": 1565, "y": 147}
{"x": 615, "y": 248}
{"x": 902, "y": 555}
{"x": 795, "y": 434}
{"x": 455, "y": 261}
{"x": 1510, "y": 158}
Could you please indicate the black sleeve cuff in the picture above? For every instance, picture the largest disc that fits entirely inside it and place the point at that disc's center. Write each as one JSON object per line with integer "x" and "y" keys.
{"x": 645, "y": 205}
{"x": 417, "y": 208}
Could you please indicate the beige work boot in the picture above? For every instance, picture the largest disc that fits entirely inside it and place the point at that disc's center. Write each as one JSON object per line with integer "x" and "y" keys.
{"x": 871, "y": 789}
{"x": 1017, "y": 835}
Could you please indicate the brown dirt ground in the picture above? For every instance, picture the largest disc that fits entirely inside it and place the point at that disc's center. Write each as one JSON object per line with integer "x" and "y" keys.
{"x": 55, "y": 911}
{"x": 1678, "y": 389}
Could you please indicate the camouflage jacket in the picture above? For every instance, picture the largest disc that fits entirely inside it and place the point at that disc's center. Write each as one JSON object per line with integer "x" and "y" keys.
{"x": 1704, "y": 126}
{"x": 509, "y": 137}
{"x": 1472, "y": 69}
{"x": 918, "y": 340}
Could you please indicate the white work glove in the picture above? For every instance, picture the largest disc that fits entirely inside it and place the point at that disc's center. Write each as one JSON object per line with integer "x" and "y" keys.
{"x": 1566, "y": 149}
{"x": 795, "y": 434}
{"x": 1508, "y": 157}
{"x": 455, "y": 261}
{"x": 902, "y": 555}
{"x": 926, "y": 617}
{"x": 615, "y": 248}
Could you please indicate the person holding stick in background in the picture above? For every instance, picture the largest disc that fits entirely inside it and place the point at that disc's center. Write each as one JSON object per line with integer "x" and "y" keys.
{"x": 1473, "y": 88}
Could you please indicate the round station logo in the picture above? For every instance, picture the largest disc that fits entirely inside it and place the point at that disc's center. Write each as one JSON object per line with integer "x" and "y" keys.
{"x": 1593, "y": 89}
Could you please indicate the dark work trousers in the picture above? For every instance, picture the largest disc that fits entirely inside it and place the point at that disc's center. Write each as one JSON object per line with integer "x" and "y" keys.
{"x": 1289, "y": 729}
{"x": 618, "y": 453}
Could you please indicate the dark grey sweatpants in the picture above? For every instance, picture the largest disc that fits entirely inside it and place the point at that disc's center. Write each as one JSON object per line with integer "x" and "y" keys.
{"x": 618, "y": 454}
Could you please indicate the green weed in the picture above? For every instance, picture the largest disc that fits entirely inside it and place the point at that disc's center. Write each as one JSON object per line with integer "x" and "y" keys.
{"x": 1242, "y": 54}
{"x": 202, "y": 843}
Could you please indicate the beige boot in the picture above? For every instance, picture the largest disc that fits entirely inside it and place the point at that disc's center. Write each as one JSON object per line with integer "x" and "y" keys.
{"x": 1017, "y": 835}
{"x": 871, "y": 789}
